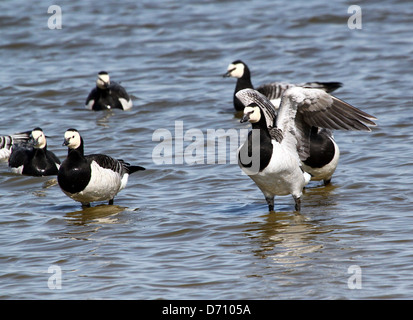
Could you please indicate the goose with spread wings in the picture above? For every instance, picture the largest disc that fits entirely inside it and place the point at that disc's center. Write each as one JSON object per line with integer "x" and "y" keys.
{"x": 324, "y": 151}
{"x": 274, "y": 158}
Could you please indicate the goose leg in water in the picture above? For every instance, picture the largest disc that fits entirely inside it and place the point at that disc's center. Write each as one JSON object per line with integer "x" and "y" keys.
{"x": 270, "y": 202}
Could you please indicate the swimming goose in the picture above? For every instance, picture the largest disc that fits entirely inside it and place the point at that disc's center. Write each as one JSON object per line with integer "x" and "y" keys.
{"x": 33, "y": 158}
{"x": 95, "y": 177}
{"x": 8, "y": 142}
{"x": 273, "y": 91}
{"x": 275, "y": 164}
{"x": 324, "y": 151}
{"x": 107, "y": 95}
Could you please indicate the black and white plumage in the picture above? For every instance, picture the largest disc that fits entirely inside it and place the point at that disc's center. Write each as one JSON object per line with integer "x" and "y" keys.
{"x": 324, "y": 151}
{"x": 8, "y": 142}
{"x": 95, "y": 177}
{"x": 32, "y": 157}
{"x": 324, "y": 155}
{"x": 108, "y": 95}
{"x": 285, "y": 136}
{"x": 273, "y": 91}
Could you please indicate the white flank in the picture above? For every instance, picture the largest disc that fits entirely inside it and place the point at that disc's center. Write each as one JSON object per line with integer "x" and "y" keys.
{"x": 326, "y": 172}
{"x": 90, "y": 104}
{"x": 17, "y": 170}
{"x": 124, "y": 181}
{"x": 104, "y": 184}
{"x": 125, "y": 103}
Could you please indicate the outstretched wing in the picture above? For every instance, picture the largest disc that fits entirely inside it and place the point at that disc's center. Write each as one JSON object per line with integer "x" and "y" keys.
{"x": 302, "y": 108}
{"x": 17, "y": 140}
{"x": 275, "y": 90}
{"x": 323, "y": 110}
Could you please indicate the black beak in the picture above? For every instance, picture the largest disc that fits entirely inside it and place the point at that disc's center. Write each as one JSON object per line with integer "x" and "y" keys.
{"x": 245, "y": 118}
{"x": 228, "y": 73}
{"x": 65, "y": 143}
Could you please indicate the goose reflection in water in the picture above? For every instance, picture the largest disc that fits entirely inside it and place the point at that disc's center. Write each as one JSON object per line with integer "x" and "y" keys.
{"x": 291, "y": 238}
{"x": 100, "y": 214}
{"x": 90, "y": 220}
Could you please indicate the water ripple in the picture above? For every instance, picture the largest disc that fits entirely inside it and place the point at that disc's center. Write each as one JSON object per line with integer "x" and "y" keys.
{"x": 202, "y": 231}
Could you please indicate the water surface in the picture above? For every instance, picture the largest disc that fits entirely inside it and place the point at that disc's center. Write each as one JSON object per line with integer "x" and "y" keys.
{"x": 203, "y": 231}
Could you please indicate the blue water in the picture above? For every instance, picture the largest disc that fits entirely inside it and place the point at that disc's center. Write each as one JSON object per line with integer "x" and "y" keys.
{"x": 202, "y": 231}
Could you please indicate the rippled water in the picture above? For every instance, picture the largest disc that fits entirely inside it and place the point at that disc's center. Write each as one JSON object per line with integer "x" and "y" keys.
{"x": 202, "y": 231}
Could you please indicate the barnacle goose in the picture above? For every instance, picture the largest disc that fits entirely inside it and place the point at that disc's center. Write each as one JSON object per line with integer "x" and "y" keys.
{"x": 33, "y": 158}
{"x": 284, "y": 137}
{"x": 107, "y": 95}
{"x": 324, "y": 151}
{"x": 8, "y": 142}
{"x": 95, "y": 177}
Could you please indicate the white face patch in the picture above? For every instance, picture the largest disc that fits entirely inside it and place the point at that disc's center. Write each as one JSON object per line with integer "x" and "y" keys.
{"x": 103, "y": 81}
{"x": 73, "y": 139}
{"x": 253, "y": 113}
{"x": 39, "y": 139}
{"x": 236, "y": 70}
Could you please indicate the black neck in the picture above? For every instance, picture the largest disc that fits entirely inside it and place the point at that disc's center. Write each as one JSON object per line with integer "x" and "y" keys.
{"x": 39, "y": 152}
{"x": 245, "y": 81}
{"x": 242, "y": 83}
{"x": 102, "y": 91}
{"x": 261, "y": 124}
{"x": 78, "y": 152}
{"x": 265, "y": 145}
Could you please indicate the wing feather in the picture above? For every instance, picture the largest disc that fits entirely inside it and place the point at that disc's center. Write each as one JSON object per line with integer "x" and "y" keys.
{"x": 275, "y": 90}
{"x": 107, "y": 162}
{"x": 303, "y": 108}
{"x": 320, "y": 109}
